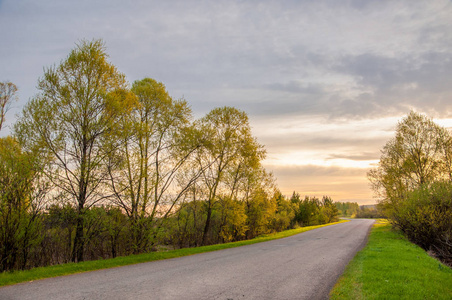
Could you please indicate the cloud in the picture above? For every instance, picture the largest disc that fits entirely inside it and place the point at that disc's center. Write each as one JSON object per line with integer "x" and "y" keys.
{"x": 329, "y": 143}
{"x": 363, "y": 156}
{"x": 346, "y": 59}
{"x": 321, "y": 134}
{"x": 297, "y": 87}
{"x": 322, "y": 81}
{"x": 421, "y": 82}
{"x": 342, "y": 184}
{"x": 317, "y": 171}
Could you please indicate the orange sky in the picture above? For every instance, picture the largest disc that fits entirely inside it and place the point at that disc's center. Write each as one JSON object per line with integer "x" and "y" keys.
{"x": 317, "y": 157}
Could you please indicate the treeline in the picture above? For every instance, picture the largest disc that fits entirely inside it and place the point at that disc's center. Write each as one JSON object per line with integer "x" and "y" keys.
{"x": 414, "y": 181}
{"x": 354, "y": 210}
{"x": 96, "y": 168}
{"x": 109, "y": 232}
{"x": 347, "y": 209}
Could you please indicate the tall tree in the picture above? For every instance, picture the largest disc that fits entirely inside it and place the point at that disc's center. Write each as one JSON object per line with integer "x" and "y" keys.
{"x": 21, "y": 195}
{"x": 7, "y": 94}
{"x": 67, "y": 122}
{"x": 251, "y": 184}
{"x": 228, "y": 141}
{"x": 419, "y": 154}
{"x": 412, "y": 158}
{"x": 329, "y": 210}
{"x": 152, "y": 145}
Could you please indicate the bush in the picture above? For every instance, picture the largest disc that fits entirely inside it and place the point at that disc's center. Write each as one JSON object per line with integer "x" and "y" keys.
{"x": 425, "y": 216}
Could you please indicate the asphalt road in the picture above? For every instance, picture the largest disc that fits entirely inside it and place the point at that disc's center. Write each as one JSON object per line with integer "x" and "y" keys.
{"x": 304, "y": 266}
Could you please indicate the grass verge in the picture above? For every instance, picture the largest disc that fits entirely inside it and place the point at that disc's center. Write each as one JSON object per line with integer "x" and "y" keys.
{"x": 390, "y": 267}
{"x": 8, "y": 278}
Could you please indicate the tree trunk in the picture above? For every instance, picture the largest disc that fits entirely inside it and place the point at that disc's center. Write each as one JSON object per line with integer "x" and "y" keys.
{"x": 207, "y": 227}
{"x": 77, "y": 250}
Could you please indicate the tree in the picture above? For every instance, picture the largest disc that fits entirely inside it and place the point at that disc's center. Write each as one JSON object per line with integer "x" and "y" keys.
{"x": 413, "y": 179}
{"x": 347, "y": 209}
{"x": 329, "y": 210}
{"x": 232, "y": 220}
{"x": 257, "y": 192}
{"x": 67, "y": 122}
{"x": 20, "y": 203}
{"x": 285, "y": 213}
{"x": 7, "y": 94}
{"x": 308, "y": 211}
{"x": 416, "y": 156}
{"x": 150, "y": 147}
{"x": 228, "y": 144}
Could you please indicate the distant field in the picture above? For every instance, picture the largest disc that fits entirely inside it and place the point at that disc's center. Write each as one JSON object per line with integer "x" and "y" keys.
{"x": 72, "y": 268}
{"x": 390, "y": 267}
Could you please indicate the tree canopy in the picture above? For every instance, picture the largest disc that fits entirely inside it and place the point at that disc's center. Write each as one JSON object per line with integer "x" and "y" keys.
{"x": 68, "y": 121}
{"x": 418, "y": 154}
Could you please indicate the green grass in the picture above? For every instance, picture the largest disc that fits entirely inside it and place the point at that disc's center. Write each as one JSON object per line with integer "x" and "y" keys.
{"x": 8, "y": 278}
{"x": 390, "y": 267}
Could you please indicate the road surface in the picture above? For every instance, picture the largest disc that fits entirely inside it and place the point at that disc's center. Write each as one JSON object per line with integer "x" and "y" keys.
{"x": 304, "y": 266}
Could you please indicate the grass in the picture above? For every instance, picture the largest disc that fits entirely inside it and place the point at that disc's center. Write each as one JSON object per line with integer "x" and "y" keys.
{"x": 8, "y": 278}
{"x": 390, "y": 267}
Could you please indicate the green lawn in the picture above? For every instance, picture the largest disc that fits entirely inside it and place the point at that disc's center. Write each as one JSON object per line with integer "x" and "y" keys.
{"x": 390, "y": 267}
{"x": 8, "y": 278}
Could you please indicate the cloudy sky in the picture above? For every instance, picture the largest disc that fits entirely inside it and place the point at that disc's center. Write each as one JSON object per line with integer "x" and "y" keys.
{"x": 323, "y": 82}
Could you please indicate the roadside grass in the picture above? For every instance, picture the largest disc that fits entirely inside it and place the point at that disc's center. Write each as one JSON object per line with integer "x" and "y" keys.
{"x": 8, "y": 278}
{"x": 390, "y": 267}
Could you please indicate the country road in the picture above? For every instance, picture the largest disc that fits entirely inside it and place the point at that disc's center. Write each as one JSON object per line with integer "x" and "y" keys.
{"x": 304, "y": 266}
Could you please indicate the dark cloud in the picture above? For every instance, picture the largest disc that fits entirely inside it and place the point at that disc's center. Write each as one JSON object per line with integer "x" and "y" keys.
{"x": 422, "y": 82}
{"x": 288, "y": 58}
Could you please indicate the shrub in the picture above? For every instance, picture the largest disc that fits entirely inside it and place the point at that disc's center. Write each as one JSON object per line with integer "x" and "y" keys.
{"x": 426, "y": 218}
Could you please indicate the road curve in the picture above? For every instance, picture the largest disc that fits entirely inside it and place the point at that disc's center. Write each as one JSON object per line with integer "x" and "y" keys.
{"x": 304, "y": 266}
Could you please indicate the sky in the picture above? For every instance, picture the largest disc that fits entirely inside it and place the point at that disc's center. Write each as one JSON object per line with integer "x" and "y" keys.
{"x": 324, "y": 83}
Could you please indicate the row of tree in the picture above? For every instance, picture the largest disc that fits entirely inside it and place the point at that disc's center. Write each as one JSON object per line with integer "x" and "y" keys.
{"x": 347, "y": 209}
{"x": 354, "y": 210}
{"x": 414, "y": 182}
{"x": 96, "y": 168}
